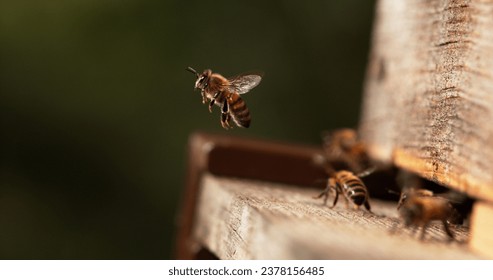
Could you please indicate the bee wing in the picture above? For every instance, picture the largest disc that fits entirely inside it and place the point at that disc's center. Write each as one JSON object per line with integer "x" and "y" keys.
{"x": 244, "y": 83}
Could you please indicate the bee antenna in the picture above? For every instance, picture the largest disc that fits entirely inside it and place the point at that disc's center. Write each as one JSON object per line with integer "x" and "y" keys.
{"x": 393, "y": 192}
{"x": 190, "y": 69}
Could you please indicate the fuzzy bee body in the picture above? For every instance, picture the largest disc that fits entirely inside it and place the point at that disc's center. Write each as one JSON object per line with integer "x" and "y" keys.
{"x": 225, "y": 93}
{"x": 350, "y": 186}
{"x": 344, "y": 150}
{"x": 238, "y": 109}
{"x": 422, "y": 207}
{"x": 413, "y": 193}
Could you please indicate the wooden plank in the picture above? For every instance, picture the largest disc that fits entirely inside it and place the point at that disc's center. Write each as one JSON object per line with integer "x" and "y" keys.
{"x": 428, "y": 101}
{"x": 248, "y": 219}
{"x": 482, "y": 229}
{"x": 239, "y": 157}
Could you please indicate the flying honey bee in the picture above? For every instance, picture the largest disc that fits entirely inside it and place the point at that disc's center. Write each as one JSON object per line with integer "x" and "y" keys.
{"x": 350, "y": 186}
{"x": 343, "y": 149}
{"x": 419, "y": 208}
{"x": 225, "y": 93}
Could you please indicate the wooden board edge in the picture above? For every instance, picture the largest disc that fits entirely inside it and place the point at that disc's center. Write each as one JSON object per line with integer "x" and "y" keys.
{"x": 259, "y": 159}
{"x": 466, "y": 183}
{"x": 434, "y": 172}
{"x": 481, "y": 237}
{"x": 249, "y": 219}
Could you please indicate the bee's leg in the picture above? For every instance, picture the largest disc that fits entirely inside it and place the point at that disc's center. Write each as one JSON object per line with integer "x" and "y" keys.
{"x": 213, "y": 101}
{"x": 228, "y": 118}
{"x": 225, "y": 121}
{"x": 326, "y": 192}
{"x": 204, "y": 98}
{"x": 447, "y": 230}
{"x": 367, "y": 205}
{"x": 336, "y": 198}
{"x": 423, "y": 231}
{"x": 225, "y": 117}
{"x": 367, "y": 172}
{"x": 225, "y": 108}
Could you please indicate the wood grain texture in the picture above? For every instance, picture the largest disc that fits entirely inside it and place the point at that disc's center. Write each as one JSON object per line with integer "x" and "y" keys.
{"x": 428, "y": 104}
{"x": 246, "y": 219}
{"x": 260, "y": 160}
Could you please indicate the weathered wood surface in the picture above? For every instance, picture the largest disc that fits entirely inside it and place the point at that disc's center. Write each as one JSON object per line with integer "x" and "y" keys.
{"x": 260, "y": 160}
{"x": 428, "y": 103}
{"x": 246, "y": 219}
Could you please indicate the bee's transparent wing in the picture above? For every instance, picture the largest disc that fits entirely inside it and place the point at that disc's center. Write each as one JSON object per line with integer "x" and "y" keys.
{"x": 245, "y": 82}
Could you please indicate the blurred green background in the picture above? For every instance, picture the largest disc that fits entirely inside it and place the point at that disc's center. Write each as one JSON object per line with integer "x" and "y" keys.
{"x": 96, "y": 107}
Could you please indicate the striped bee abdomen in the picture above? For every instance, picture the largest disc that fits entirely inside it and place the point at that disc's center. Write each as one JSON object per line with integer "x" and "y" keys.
{"x": 348, "y": 185}
{"x": 357, "y": 194}
{"x": 353, "y": 188}
{"x": 238, "y": 110}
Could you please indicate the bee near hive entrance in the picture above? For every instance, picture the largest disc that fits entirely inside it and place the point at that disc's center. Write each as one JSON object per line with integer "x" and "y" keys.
{"x": 345, "y": 161}
{"x": 350, "y": 186}
{"x": 421, "y": 203}
{"x": 279, "y": 193}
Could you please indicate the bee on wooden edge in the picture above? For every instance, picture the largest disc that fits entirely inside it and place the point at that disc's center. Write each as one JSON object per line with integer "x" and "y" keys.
{"x": 343, "y": 150}
{"x": 419, "y": 207}
{"x": 225, "y": 93}
{"x": 350, "y": 186}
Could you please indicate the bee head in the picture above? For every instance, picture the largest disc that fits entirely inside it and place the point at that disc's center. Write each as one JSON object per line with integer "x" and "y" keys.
{"x": 411, "y": 212}
{"x": 202, "y": 79}
{"x": 409, "y": 192}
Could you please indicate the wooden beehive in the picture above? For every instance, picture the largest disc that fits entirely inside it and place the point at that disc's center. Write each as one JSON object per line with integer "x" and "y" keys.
{"x": 428, "y": 104}
{"x": 263, "y": 207}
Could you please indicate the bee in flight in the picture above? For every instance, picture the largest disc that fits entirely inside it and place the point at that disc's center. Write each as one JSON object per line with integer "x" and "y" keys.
{"x": 350, "y": 186}
{"x": 225, "y": 93}
{"x": 344, "y": 149}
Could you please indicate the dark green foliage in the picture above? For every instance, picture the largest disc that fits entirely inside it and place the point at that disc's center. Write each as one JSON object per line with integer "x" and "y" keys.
{"x": 96, "y": 107}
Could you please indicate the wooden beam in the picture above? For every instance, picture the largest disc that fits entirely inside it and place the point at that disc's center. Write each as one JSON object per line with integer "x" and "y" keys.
{"x": 249, "y": 219}
{"x": 482, "y": 229}
{"x": 428, "y": 103}
{"x": 270, "y": 161}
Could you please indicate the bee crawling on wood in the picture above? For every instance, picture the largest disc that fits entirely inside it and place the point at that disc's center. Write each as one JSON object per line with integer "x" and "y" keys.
{"x": 225, "y": 93}
{"x": 350, "y": 186}
{"x": 420, "y": 207}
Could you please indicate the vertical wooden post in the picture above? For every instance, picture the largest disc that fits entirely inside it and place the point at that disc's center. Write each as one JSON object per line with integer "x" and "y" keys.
{"x": 429, "y": 92}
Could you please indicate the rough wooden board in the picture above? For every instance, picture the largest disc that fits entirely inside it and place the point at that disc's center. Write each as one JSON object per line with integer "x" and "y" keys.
{"x": 428, "y": 101}
{"x": 244, "y": 219}
{"x": 464, "y": 182}
{"x": 482, "y": 229}
{"x": 260, "y": 160}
